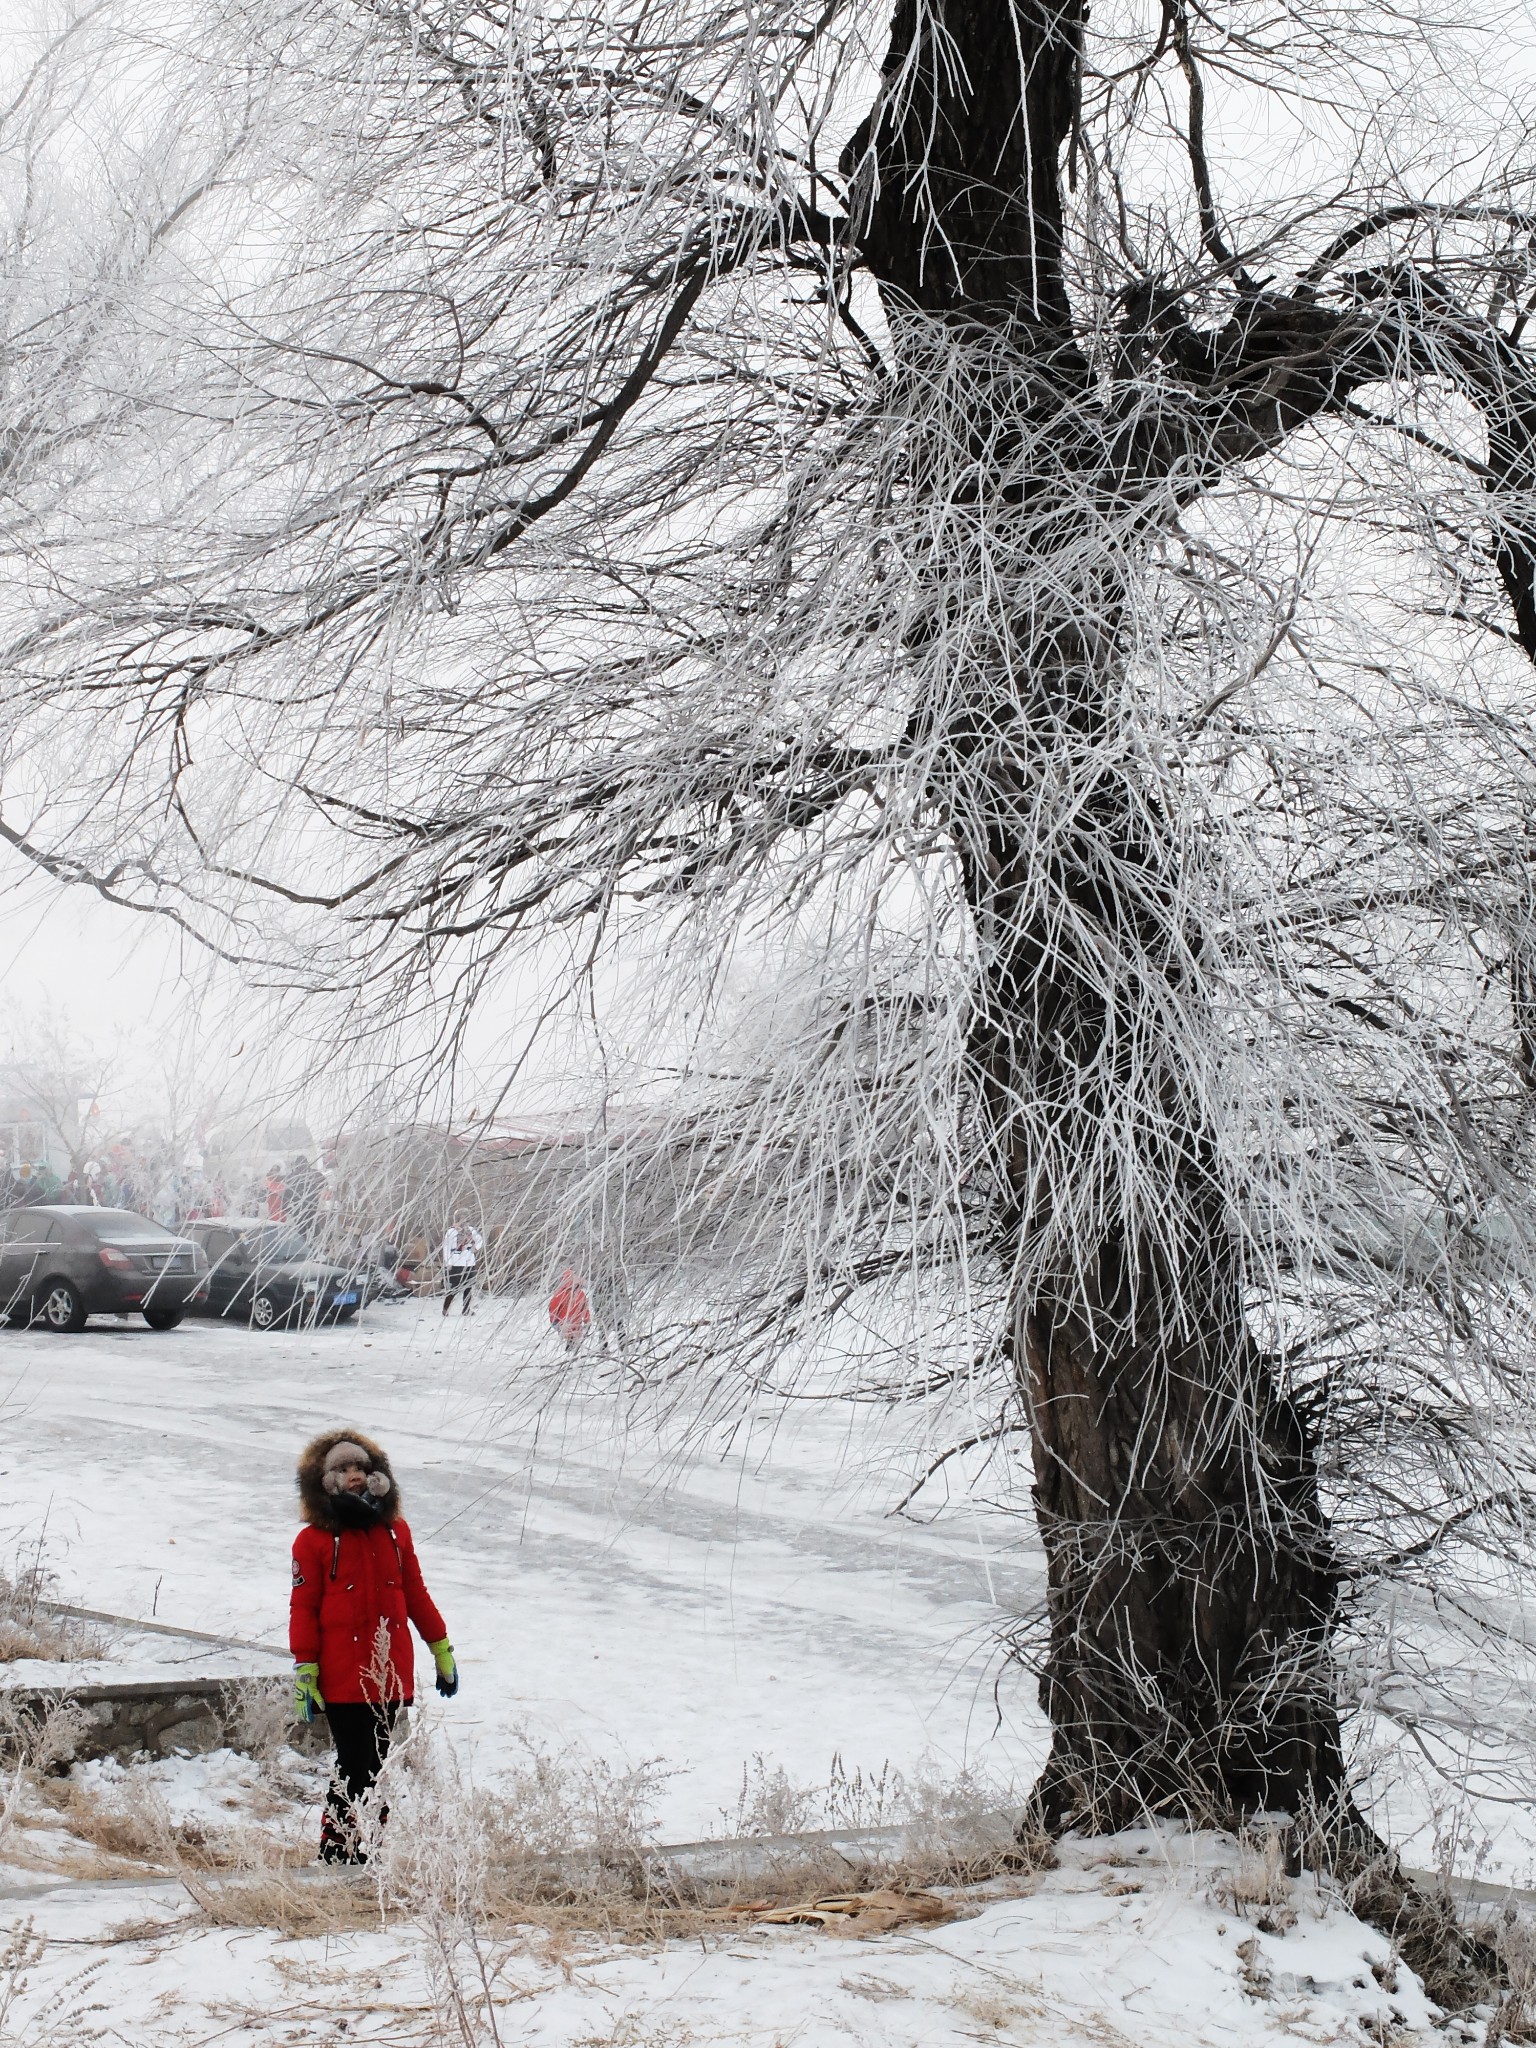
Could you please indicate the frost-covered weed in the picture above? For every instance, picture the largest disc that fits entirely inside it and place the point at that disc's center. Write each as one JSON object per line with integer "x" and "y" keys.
{"x": 259, "y": 1717}
{"x": 58, "y": 2019}
{"x": 40, "y": 1736}
{"x": 558, "y": 1824}
{"x": 931, "y": 1800}
{"x": 1257, "y": 1884}
{"x": 30, "y": 1625}
{"x": 221, "y": 1812}
{"x": 770, "y": 1803}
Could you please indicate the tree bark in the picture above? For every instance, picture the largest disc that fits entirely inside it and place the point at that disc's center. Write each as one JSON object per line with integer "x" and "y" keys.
{"x": 1192, "y": 1584}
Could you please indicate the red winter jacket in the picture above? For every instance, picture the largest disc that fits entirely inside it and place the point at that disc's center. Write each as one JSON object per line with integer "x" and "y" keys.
{"x": 569, "y": 1310}
{"x": 344, "y": 1584}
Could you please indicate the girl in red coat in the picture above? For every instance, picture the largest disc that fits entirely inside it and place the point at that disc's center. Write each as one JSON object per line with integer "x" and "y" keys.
{"x": 356, "y": 1586}
{"x": 570, "y": 1312}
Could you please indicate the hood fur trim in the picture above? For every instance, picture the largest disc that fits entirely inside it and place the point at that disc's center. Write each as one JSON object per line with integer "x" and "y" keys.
{"x": 318, "y": 1507}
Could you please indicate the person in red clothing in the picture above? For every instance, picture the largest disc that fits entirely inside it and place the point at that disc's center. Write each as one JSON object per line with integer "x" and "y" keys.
{"x": 356, "y": 1589}
{"x": 570, "y": 1312}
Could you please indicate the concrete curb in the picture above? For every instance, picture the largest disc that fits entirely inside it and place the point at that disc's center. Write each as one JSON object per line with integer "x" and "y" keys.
{"x": 164, "y": 1628}
{"x": 155, "y": 1716}
{"x": 671, "y": 1869}
{"x": 744, "y": 1861}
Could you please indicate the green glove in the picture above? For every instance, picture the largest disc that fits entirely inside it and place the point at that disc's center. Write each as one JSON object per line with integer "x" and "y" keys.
{"x": 447, "y": 1670}
{"x": 306, "y": 1692}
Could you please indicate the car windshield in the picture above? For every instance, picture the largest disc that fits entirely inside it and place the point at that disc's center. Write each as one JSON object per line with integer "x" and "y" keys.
{"x": 275, "y": 1247}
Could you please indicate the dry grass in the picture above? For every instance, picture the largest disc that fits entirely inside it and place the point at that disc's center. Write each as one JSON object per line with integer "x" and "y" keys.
{"x": 565, "y": 1840}
{"x": 132, "y": 1822}
{"x": 29, "y": 1625}
{"x": 296, "y": 1903}
{"x": 1258, "y": 1884}
{"x": 1510, "y": 1932}
{"x": 564, "y": 1843}
{"x": 66, "y": 2018}
{"x": 40, "y": 1738}
{"x": 993, "y": 2009}
{"x": 129, "y": 1818}
{"x": 303, "y": 1902}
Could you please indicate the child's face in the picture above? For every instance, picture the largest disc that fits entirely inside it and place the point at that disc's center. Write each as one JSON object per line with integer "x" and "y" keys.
{"x": 351, "y": 1470}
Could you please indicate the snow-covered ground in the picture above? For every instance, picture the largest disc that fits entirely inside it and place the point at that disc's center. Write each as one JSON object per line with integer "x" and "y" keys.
{"x": 1129, "y": 1944}
{"x": 702, "y": 1609}
{"x": 741, "y": 1607}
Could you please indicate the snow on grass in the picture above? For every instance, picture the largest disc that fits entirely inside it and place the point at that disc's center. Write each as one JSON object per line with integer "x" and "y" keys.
{"x": 1130, "y": 1941}
{"x": 211, "y": 1791}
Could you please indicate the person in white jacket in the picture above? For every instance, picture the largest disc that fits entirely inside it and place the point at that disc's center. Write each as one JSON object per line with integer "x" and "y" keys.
{"x": 462, "y": 1245}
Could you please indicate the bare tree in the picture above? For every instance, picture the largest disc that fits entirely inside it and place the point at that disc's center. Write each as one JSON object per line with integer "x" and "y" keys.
{"x": 1036, "y": 528}
{"x": 62, "y": 1082}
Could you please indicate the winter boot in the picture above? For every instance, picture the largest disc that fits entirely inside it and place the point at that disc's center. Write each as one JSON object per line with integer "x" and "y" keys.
{"x": 338, "y": 1842}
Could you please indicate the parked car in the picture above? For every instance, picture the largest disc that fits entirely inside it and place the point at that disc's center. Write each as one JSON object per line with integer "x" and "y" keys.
{"x": 265, "y": 1274}
{"x": 379, "y": 1262}
{"x": 61, "y": 1262}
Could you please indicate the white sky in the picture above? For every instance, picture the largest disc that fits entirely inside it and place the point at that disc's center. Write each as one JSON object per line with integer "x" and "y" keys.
{"x": 132, "y": 984}
{"x": 108, "y": 971}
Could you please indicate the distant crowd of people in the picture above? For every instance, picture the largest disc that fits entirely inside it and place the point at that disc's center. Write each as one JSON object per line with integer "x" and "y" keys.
{"x": 170, "y": 1197}
{"x": 299, "y": 1193}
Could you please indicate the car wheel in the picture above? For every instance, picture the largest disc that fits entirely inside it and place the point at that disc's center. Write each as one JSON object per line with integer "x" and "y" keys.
{"x": 164, "y": 1318}
{"x": 61, "y": 1306}
{"x": 264, "y": 1312}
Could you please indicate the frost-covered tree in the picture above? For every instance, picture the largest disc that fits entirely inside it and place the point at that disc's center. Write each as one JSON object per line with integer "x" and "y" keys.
{"x": 1016, "y": 528}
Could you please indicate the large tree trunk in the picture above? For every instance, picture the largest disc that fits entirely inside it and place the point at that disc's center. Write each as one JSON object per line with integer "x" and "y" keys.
{"x": 1192, "y": 1585}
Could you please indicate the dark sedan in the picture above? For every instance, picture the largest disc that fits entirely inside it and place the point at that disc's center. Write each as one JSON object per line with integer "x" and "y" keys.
{"x": 265, "y": 1274}
{"x": 62, "y": 1262}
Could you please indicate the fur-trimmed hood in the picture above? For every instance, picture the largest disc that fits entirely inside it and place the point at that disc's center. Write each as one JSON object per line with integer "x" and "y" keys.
{"x": 319, "y": 1508}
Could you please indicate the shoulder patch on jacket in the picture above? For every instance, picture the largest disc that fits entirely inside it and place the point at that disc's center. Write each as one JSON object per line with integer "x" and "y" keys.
{"x": 298, "y": 1573}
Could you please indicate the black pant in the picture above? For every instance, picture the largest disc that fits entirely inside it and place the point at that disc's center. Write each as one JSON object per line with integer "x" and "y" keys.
{"x": 362, "y": 1732}
{"x": 460, "y": 1279}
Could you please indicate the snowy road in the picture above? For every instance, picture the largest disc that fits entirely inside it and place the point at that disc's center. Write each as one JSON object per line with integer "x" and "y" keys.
{"x": 703, "y": 1609}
